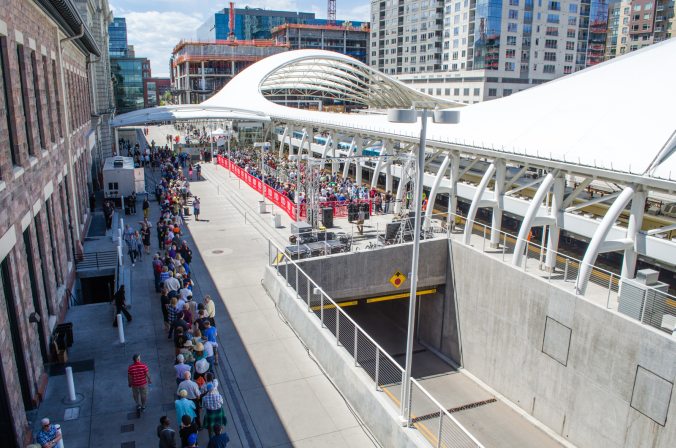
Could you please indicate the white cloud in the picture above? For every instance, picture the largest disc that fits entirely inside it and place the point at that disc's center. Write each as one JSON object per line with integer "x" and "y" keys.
{"x": 154, "y": 35}
{"x": 361, "y": 13}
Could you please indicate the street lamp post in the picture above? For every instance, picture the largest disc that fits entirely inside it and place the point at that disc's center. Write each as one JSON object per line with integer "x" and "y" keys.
{"x": 411, "y": 116}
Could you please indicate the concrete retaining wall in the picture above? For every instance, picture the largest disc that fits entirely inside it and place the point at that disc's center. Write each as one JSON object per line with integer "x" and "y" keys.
{"x": 595, "y": 377}
{"x": 373, "y": 407}
{"x": 367, "y": 273}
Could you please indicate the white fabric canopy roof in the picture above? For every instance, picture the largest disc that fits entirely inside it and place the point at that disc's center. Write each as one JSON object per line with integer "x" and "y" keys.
{"x": 617, "y": 116}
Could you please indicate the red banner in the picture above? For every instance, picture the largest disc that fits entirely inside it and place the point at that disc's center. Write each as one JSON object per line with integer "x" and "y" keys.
{"x": 273, "y": 195}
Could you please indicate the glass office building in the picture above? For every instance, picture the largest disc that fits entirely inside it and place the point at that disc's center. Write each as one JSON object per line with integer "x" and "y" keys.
{"x": 128, "y": 75}
{"x": 117, "y": 38}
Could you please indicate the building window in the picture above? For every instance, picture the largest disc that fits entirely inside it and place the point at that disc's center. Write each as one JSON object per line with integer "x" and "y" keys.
{"x": 48, "y": 96}
{"x": 512, "y": 27}
{"x": 513, "y": 14}
{"x": 27, "y": 118}
{"x": 38, "y": 100}
{"x": 572, "y": 8}
{"x": 510, "y": 53}
{"x": 552, "y": 18}
{"x": 551, "y": 43}
{"x": 554, "y": 6}
{"x": 8, "y": 109}
{"x": 447, "y": 92}
{"x": 568, "y": 57}
{"x": 648, "y": 6}
{"x": 58, "y": 99}
{"x": 572, "y": 21}
{"x": 506, "y": 92}
{"x": 456, "y": 92}
{"x": 492, "y": 92}
{"x": 567, "y": 70}
{"x": 570, "y": 45}
{"x": 513, "y": 2}
{"x": 552, "y": 31}
{"x": 465, "y": 92}
{"x": 511, "y": 40}
{"x": 477, "y": 91}
{"x": 509, "y": 66}
{"x": 550, "y": 56}
{"x": 548, "y": 68}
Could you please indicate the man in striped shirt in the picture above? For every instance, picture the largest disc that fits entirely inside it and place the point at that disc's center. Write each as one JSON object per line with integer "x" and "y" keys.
{"x": 138, "y": 378}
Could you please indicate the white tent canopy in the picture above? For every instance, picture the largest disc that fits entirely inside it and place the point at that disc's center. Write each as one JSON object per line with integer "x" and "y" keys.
{"x": 617, "y": 116}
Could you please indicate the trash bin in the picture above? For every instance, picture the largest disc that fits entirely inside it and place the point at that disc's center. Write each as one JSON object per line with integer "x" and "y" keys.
{"x": 277, "y": 221}
{"x": 261, "y": 206}
{"x": 66, "y": 331}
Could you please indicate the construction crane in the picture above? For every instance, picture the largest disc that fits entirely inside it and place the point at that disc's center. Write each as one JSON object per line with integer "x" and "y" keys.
{"x": 231, "y": 21}
{"x": 331, "y": 12}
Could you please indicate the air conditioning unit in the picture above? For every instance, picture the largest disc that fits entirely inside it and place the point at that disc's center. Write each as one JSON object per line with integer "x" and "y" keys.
{"x": 644, "y": 298}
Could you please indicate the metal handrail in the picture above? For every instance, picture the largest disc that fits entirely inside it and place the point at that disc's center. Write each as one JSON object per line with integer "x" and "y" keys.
{"x": 280, "y": 250}
{"x": 358, "y": 329}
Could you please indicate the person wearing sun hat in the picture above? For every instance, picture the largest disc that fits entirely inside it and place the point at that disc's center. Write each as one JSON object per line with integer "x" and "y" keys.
{"x": 184, "y": 406}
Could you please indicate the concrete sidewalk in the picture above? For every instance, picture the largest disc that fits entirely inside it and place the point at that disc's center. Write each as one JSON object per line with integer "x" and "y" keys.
{"x": 275, "y": 393}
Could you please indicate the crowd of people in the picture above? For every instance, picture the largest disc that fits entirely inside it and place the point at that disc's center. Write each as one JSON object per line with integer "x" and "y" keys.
{"x": 189, "y": 323}
{"x": 284, "y": 176}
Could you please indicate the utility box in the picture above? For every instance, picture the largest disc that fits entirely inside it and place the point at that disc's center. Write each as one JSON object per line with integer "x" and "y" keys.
{"x": 644, "y": 298}
{"x": 121, "y": 178}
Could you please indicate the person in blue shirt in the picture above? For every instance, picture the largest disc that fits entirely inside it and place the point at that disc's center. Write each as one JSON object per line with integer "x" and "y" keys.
{"x": 220, "y": 438}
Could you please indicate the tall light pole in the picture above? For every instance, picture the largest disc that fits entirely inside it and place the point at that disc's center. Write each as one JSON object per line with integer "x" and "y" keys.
{"x": 411, "y": 116}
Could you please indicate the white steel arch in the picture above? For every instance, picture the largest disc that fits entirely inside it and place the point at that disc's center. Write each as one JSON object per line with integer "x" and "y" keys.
{"x": 574, "y": 125}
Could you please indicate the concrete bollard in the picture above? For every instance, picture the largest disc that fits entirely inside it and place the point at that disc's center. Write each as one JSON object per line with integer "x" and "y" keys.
{"x": 72, "y": 396}
{"x": 120, "y": 258}
{"x": 120, "y": 328}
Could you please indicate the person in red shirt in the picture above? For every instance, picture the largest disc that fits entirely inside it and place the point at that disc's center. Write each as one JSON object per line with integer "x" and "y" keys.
{"x": 138, "y": 378}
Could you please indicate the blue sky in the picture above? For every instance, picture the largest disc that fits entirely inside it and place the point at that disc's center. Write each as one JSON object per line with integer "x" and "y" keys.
{"x": 155, "y": 26}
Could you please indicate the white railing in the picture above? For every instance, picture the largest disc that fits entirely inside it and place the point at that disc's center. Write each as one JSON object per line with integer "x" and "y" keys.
{"x": 426, "y": 414}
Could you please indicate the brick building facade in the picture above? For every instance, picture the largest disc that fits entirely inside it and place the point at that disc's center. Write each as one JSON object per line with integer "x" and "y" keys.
{"x": 45, "y": 160}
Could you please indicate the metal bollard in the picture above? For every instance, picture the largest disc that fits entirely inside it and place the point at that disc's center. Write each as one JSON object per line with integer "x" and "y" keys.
{"x": 120, "y": 258}
{"x": 72, "y": 396}
{"x": 120, "y": 329}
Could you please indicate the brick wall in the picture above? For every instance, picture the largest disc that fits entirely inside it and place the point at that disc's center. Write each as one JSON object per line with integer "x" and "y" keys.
{"x": 56, "y": 83}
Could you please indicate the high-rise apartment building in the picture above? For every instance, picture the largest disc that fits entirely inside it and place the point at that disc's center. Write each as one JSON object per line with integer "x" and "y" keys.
{"x": 634, "y": 24}
{"x": 473, "y": 50}
{"x": 117, "y": 32}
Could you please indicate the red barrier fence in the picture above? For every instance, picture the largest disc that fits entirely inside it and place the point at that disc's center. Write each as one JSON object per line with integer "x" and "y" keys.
{"x": 273, "y": 195}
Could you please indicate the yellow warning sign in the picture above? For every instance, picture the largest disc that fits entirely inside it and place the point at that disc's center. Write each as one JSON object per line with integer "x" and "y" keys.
{"x": 397, "y": 279}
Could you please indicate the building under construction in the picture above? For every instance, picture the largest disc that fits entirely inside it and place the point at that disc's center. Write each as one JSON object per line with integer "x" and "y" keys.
{"x": 200, "y": 69}
{"x": 342, "y": 37}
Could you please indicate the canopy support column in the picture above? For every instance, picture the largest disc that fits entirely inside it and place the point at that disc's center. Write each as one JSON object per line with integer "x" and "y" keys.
{"x": 633, "y": 227}
{"x": 596, "y": 244}
{"x": 499, "y": 193}
{"x": 558, "y": 191}
{"x": 348, "y": 160}
{"x": 281, "y": 146}
{"x": 441, "y": 173}
{"x": 529, "y": 218}
{"x": 474, "y": 206}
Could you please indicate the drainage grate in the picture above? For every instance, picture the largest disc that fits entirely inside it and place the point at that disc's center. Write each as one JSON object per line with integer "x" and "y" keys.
{"x": 127, "y": 428}
{"x": 128, "y": 445}
{"x": 452, "y": 410}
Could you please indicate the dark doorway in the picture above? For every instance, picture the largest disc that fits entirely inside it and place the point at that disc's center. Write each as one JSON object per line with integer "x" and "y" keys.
{"x": 35, "y": 292}
{"x": 7, "y": 434}
{"x": 97, "y": 289}
{"x": 19, "y": 357}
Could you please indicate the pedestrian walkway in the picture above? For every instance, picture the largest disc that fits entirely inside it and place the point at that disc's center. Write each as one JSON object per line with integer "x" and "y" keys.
{"x": 276, "y": 395}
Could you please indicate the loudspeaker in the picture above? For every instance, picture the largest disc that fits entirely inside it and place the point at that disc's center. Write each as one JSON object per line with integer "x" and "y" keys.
{"x": 327, "y": 217}
{"x": 391, "y": 229}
